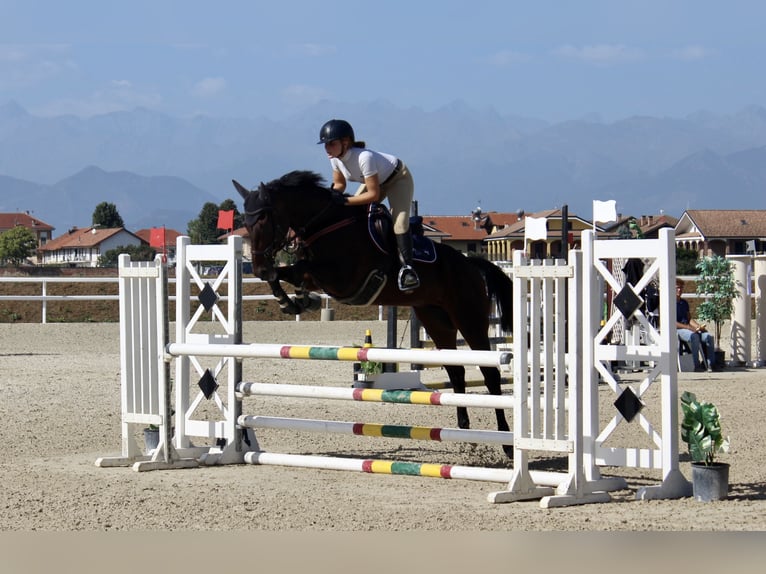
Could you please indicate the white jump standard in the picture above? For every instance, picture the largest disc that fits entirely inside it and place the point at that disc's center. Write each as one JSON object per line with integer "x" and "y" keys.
{"x": 556, "y": 370}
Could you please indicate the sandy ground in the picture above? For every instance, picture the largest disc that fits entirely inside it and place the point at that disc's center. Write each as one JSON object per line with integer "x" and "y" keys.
{"x": 60, "y": 410}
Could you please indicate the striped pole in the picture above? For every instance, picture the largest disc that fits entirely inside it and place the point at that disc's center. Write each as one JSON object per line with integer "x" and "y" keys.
{"x": 458, "y": 357}
{"x": 378, "y": 430}
{"x": 372, "y": 466}
{"x": 378, "y": 395}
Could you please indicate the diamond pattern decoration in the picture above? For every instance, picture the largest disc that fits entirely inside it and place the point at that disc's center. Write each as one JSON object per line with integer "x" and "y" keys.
{"x": 627, "y": 301}
{"x": 208, "y": 297}
{"x": 207, "y": 384}
{"x": 628, "y": 404}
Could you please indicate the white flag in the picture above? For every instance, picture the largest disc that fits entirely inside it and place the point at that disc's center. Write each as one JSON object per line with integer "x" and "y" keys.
{"x": 535, "y": 228}
{"x": 604, "y": 211}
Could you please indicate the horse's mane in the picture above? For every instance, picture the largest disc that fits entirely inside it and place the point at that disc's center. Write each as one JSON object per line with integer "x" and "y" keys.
{"x": 297, "y": 180}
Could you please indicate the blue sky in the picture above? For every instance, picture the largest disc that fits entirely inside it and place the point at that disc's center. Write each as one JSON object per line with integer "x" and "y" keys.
{"x": 550, "y": 60}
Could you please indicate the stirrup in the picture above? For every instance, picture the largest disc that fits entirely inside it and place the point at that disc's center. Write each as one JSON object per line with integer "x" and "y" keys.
{"x": 408, "y": 279}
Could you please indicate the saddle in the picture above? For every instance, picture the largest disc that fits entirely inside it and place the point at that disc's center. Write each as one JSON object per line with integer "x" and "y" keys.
{"x": 380, "y": 226}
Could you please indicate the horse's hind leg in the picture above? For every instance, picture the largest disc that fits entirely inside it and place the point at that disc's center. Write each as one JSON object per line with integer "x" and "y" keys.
{"x": 477, "y": 338}
{"x": 444, "y": 335}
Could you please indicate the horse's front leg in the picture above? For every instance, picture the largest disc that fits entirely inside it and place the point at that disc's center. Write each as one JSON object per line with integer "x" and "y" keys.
{"x": 456, "y": 376}
{"x": 287, "y": 305}
{"x": 291, "y": 274}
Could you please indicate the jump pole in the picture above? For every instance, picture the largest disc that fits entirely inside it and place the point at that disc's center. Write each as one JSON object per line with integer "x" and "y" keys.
{"x": 498, "y": 359}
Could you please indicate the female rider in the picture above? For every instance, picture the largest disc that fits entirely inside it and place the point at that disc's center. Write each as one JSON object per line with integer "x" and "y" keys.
{"x": 382, "y": 176}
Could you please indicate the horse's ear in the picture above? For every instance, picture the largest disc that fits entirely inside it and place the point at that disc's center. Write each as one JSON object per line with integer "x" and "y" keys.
{"x": 240, "y": 188}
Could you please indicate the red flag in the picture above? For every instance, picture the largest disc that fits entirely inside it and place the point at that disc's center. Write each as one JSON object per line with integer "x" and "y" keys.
{"x": 225, "y": 219}
{"x": 157, "y": 237}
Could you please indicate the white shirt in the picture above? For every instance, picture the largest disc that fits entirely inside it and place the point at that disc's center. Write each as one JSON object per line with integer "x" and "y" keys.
{"x": 358, "y": 163}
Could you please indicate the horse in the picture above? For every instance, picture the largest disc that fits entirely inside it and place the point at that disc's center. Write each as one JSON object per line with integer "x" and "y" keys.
{"x": 339, "y": 254}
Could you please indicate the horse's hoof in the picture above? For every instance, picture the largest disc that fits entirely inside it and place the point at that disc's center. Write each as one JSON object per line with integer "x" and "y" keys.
{"x": 508, "y": 450}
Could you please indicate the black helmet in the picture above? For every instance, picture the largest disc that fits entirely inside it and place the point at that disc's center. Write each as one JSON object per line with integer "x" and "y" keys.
{"x": 335, "y": 130}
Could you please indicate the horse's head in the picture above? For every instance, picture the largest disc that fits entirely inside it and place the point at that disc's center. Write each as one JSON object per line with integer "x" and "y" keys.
{"x": 267, "y": 230}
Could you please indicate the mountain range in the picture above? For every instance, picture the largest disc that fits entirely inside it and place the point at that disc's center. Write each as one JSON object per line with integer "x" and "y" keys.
{"x": 160, "y": 170}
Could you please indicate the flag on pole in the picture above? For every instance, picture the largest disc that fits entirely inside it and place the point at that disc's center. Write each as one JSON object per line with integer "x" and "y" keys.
{"x": 226, "y": 219}
{"x": 535, "y": 228}
{"x": 157, "y": 237}
{"x": 604, "y": 211}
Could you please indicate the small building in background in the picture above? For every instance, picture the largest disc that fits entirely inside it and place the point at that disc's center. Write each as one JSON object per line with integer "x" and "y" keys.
{"x": 83, "y": 247}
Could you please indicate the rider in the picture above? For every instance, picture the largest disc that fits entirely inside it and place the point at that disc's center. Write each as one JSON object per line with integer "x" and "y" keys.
{"x": 381, "y": 176}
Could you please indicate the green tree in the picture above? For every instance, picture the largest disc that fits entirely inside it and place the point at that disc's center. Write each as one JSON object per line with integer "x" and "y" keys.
{"x": 686, "y": 261}
{"x": 136, "y": 252}
{"x": 17, "y": 244}
{"x": 716, "y": 282}
{"x": 230, "y": 204}
{"x": 204, "y": 230}
{"x": 106, "y": 215}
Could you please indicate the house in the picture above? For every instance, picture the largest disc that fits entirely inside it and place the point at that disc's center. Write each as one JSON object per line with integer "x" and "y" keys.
{"x": 171, "y": 235}
{"x": 722, "y": 231}
{"x": 247, "y": 248}
{"x": 43, "y": 232}
{"x": 83, "y": 247}
{"x": 502, "y": 243}
{"x": 644, "y": 227}
{"x": 466, "y": 232}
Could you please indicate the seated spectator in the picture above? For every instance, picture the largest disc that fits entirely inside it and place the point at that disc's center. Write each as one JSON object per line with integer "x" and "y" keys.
{"x": 691, "y": 332}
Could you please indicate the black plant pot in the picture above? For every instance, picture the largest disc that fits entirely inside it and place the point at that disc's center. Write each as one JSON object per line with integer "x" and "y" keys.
{"x": 720, "y": 359}
{"x": 710, "y": 482}
{"x": 151, "y": 439}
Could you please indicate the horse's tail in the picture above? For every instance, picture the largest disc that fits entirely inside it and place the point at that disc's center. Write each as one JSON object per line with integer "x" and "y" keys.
{"x": 499, "y": 287}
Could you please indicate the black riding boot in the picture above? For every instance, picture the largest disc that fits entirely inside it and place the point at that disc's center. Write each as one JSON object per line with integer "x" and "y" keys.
{"x": 408, "y": 279}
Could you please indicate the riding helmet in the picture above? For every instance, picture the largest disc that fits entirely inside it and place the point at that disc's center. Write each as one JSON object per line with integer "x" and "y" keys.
{"x": 335, "y": 130}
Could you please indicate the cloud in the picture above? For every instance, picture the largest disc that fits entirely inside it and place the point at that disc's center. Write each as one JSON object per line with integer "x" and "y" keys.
{"x": 302, "y": 94}
{"x": 506, "y": 58}
{"x": 600, "y": 54}
{"x": 313, "y": 50}
{"x": 24, "y": 65}
{"x": 209, "y": 87}
{"x": 119, "y": 95}
{"x": 692, "y": 53}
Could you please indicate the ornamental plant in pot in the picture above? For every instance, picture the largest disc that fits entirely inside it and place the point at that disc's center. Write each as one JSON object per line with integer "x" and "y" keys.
{"x": 717, "y": 284}
{"x": 701, "y": 431}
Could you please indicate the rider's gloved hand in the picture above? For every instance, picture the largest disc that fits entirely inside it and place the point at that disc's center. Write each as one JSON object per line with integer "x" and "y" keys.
{"x": 338, "y": 198}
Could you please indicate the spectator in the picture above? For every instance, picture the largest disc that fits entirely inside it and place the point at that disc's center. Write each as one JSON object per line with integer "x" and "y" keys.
{"x": 692, "y": 333}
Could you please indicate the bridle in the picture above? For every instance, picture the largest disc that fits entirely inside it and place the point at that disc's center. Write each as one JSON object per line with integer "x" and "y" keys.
{"x": 283, "y": 237}
{"x": 279, "y": 237}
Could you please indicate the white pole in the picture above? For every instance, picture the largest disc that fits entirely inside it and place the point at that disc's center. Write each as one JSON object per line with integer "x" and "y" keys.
{"x": 353, "y": 354}
{"x": 759, "y": 272}
{"x": 740, "y": 317}
{"x": 377, "y": 395}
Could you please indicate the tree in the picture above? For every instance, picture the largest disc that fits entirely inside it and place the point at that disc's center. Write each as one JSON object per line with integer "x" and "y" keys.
{"x": 17, "y": 244}
{"x": 136, "y": 252}
{"x": 204, "y": 230}
{"x": 686, "y": 261}
{"x": 106, "y": 215}
{"x": 229, "y": 205}
{"x": 716, "y": 282}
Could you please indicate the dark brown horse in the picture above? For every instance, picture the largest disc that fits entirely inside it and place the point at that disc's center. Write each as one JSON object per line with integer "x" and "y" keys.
{"x": 338, "y": 254}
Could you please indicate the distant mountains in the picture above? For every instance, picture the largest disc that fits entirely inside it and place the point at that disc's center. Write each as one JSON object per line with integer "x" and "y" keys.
{"x": 160, "y": 170}
{"x": 141, "y": 201}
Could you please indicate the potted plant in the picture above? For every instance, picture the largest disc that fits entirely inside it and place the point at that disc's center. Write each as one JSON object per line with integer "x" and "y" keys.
{"x": 151, "y": 438}
{"x": 716, "y": 283}
{"x": 701, "y": 431}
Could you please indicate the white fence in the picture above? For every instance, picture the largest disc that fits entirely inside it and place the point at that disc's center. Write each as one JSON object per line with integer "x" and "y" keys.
{"x": 44, "y": 297}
